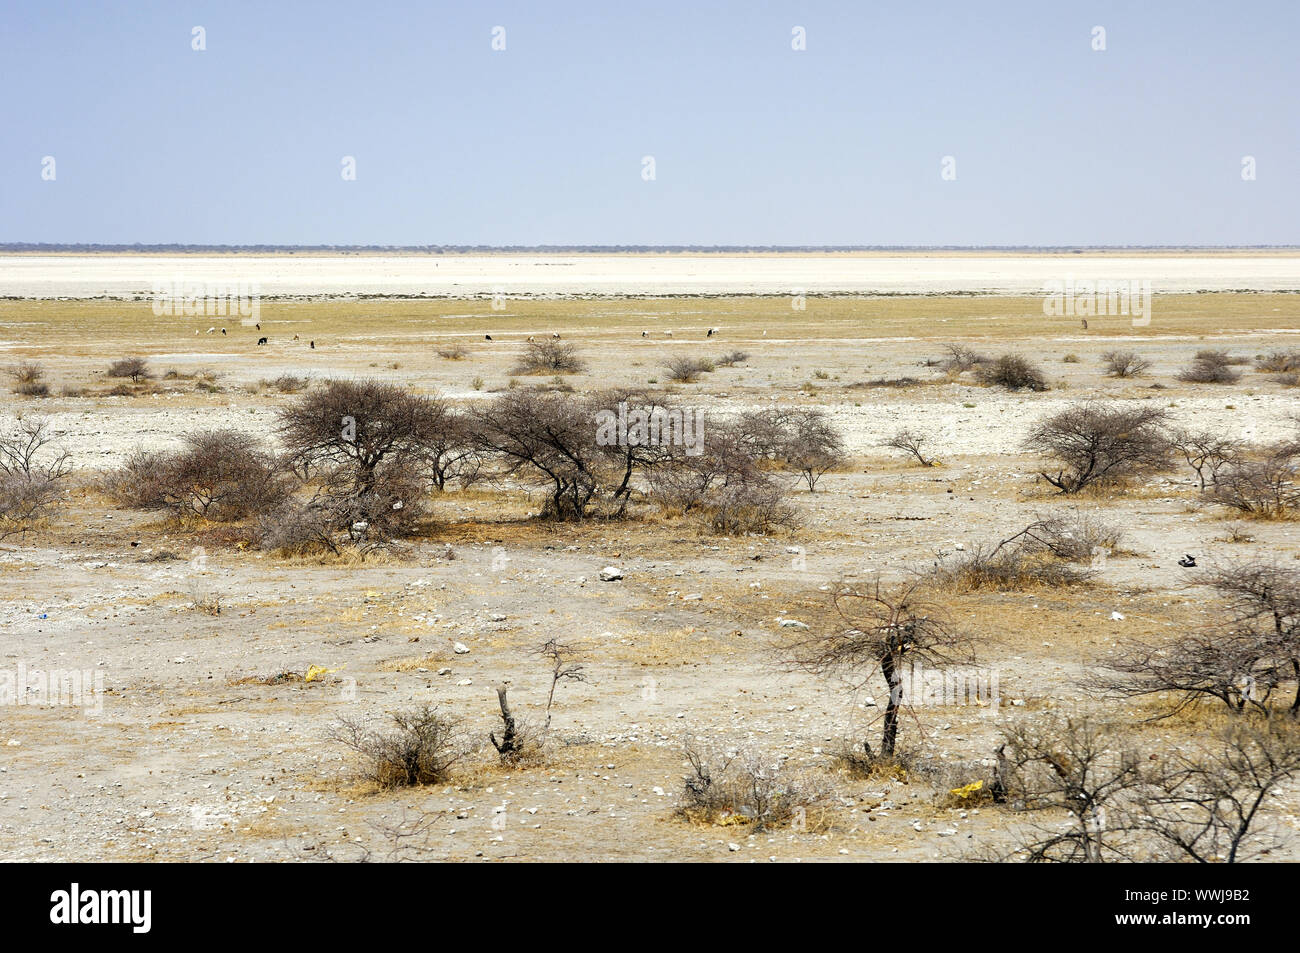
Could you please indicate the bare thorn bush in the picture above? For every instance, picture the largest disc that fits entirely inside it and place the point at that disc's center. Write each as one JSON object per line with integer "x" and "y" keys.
{"x": 32, "y": 475}
{"x": 135, "y": 368}
{"x": 1267, "y": 488}
{"x": 1125, "y": 363}
{"x": 549, "y": 356}
{"x": 961, "y": 358}
{"x": 911, "y": 442}
{"x": 1211, "y": 367}
{"x": 740, "y": 786}
{"x": 422, "y": 747}
{"x": 685, "y": 370}
{"x": 1101, "y": 444}
{"x": 1205, "y": 452}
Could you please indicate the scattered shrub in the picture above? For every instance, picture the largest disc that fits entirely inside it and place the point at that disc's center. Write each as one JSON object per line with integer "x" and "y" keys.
{"x": 28, "y": 380}
{"x": 1012, "y": 372}
{"x": 741, "y": 786}
{"x": 1100, "y": 444}
{"x": 1279, "y": 362}
{"x": 549, "y": 356}
{"x": 421, "y": 748}
{"x": 684, "y": 369}
{"x": 1124, "y": 363}
{"x": 961, "y": 358}
{"x": 136, "y": 368}
{"x": 1265, "y": 488}
{"x": 909, "y": 441}
{"x": 1211, "y": 367}
{"x": 32, "y": 475}
{"x": 221, "y": 475}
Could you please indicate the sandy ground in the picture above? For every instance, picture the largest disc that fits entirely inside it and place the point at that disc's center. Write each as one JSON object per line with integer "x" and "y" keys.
{"x": 189, "y": 759}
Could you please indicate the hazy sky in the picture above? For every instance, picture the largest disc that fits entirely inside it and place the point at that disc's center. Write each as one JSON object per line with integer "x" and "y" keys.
{"x": 753, "y": 141}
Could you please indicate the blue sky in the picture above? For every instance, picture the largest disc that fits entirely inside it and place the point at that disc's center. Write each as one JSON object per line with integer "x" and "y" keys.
{"x": 754, "y": 143}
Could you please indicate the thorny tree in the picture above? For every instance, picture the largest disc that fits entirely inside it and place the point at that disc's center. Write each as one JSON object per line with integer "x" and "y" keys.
{"x": 889, "y": 629}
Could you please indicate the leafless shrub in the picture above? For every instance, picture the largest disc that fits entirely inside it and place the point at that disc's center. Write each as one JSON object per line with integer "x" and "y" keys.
{"x": 1279, "y": 362}
{"x": 742, "y": 786}
{"x": 422, "y": 747}
{"x": 287, "y": 383}
{"x": 1207, "y": 805}
{"x": 1268, "y": 488}
{"x": 962, "y": 358}
{"x": 1205, "y": 452}
{"x": 1211, "y": 367}
{"x": 1012, "y": 372}
{"x": 762, "y": 434}
{"x": 549, "y": 356}
{"x": 813, "y": 446}
{"x": 909, "y": 441}
{"x": 1099, "y": 444}
{"x": 1081, "y": 766}
{"x": 685, "y": 369}
{"x": 28, "y": 380}
{"x": 369, "y": 446}
{"x": 454, "y": 352}
{"x": 1203, "y": 804}
{"x": 1125, "y": 363}
{"x": 136, "y": 368}
{"x": 448, "y": 452}
{"x": 881, "y": 631}
{"x": 549, "y": 439}
{"x": 1250, "y": 650}
{"x": 732, "y": 359}
{"x": 220, "y": 475}
{"x": 1018, "y": 562}
{"x": 27, "y": 372}
{"x": 300, "y": 527}
{"x": 1233, "y": 667}
{"x": 741, "y": 508}
{"x": 1075, "y": 536}
{"x": 32, "y": 474}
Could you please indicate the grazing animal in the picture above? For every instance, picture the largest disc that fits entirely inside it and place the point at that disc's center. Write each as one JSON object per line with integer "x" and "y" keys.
{"x": 261, "y": 340}
{"x": 1187, "y": 562}
{"x": 211, "y": 330}
{"x": 313, "y": 345}
{"x": 530, "y": 337}
{"x": 712, "y": 331}
{"x": 295, "y": 337}
{"x": 668, "y": 334}
{"x": 644, "y": 333}
{"x": 259, "y": 327}
{"x": 555, "y": 334}
{"x": 223, "y": 330}
{"x": 487, "y": 337}
{"x": 1084, "y": 322}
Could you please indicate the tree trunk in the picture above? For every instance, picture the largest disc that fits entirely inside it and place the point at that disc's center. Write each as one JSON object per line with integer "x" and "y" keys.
{"x": 509, "y": 742}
